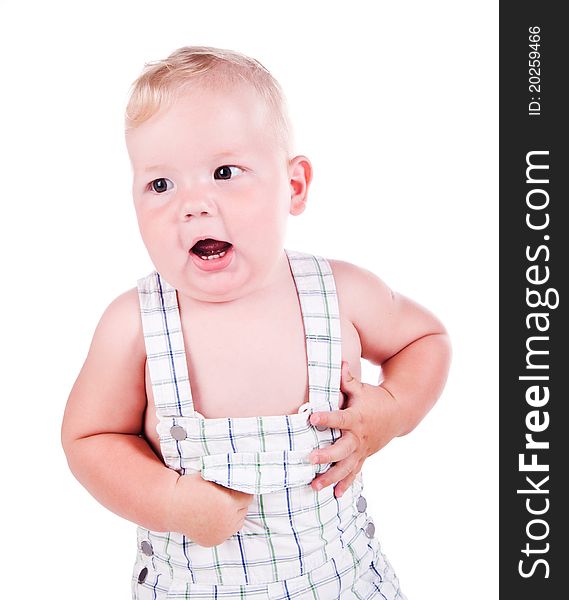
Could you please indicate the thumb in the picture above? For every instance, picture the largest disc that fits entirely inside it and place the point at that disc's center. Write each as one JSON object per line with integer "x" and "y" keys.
{"x": 348, "y": 383}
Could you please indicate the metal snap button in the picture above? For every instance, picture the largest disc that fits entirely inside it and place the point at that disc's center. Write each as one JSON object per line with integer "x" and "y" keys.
{"x": 146, "y": 548}
{"x": 178, "y": 433}
{"x": 320, "y": 427}
{"x": 142, "y": 575}
{"x": 361, "y": 504}
{"x": 369, "y": 529}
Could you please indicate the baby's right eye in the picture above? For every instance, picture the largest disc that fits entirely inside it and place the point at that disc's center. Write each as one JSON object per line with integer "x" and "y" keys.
{"x": 160, "y": 185}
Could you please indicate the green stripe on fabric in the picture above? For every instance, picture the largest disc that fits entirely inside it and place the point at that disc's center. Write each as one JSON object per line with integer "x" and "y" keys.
{"x": 203, "y": 437}
{"x": 217, "y": 564}
{"x": 257, "y": 470}
{"x": 313, "y": 587}
{"x": 168, "y": 555}
{"x": 261, "y": 433}
{"x": 356, "y": 562}
{"x": 320, "y": 526}
{"x": 269, "y": 538}
{"x": 261, "y": 506}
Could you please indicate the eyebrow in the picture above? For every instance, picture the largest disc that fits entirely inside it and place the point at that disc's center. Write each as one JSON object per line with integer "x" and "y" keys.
{"x": 155, "y": 168}
{"x": 224, "y": 154}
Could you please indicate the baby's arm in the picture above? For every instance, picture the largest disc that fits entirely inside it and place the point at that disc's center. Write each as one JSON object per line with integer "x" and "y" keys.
{"x": 101, "y": 437}
{"x": 413, "y": 349}
{"x": 407, "y": 340}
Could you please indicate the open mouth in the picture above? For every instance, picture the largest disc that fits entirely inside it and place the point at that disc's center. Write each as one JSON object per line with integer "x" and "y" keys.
{"x": 210, "y": 249}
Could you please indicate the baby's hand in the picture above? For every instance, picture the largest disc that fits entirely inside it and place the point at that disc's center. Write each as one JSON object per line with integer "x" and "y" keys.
{"x": 368, "y": 422}
{"x": 206, "y": 512}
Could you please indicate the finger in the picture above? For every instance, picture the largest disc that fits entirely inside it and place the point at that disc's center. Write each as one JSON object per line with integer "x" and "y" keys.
{"x": 345, "y": 371}
{"x": 348, "y": 383}
{"x": 343, "y": 485}
{"x": 338, "y": 419}
{"x": 339, "y": 450}
{"x": 334, "y": 474}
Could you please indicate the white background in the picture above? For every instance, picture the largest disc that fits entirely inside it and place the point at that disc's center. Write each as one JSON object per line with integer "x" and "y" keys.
{"x": 396, "y": 105}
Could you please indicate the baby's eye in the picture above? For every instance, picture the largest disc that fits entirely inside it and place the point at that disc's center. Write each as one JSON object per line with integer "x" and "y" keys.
{"x": 160, "y": 185}
{"x": 224, "y": 172}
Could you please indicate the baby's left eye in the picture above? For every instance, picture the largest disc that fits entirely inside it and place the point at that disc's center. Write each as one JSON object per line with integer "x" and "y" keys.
{"x": 224, "y": 172}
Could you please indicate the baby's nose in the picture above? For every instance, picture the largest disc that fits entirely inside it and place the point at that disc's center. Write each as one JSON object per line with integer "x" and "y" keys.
{"x": 195, "y": 205}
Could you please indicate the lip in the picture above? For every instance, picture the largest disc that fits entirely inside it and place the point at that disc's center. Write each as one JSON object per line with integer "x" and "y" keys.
{"x": 217, "y": 264}
{"x": 206, "y": 236}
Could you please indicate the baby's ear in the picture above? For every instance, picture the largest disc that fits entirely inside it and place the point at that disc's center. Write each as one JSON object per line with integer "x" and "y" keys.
{"x": 300, "y": 172}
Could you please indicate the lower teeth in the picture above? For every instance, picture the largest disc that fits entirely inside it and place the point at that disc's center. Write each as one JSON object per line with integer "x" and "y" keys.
{"x": 212, "y": 256}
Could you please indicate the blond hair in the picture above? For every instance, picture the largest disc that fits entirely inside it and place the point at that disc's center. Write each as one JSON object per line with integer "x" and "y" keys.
{"x": 216, "y": 68}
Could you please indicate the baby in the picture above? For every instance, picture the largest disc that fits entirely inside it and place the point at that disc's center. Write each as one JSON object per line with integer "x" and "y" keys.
{"x": 220, "y": 405}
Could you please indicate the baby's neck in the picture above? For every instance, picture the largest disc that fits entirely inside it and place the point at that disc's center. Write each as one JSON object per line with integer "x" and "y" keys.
{"x": 275, "y": 283}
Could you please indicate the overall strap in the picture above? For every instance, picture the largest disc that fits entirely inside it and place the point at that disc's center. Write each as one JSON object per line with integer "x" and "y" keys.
{"x": 320, "y": 313}
{"x": 165, "y": 351}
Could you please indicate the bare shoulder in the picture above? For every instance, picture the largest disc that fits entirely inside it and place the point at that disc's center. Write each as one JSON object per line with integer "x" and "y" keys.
{"x": 386, "y": 321}
{"x": 123, "y": 313}
{"x": 119, "y": 330}
{"x": 358, "y": 287}
{"x": 109, "y": 393}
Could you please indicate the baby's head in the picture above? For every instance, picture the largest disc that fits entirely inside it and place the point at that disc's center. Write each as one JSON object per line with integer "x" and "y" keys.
{"x": 210, "y": 143}
{"x": 217, "y": 69}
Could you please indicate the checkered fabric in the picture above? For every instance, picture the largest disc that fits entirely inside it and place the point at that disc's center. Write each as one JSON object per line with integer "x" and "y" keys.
{"x": 295, "y": 542}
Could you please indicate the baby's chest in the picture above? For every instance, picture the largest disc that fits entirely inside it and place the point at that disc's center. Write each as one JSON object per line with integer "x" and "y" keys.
{"x": 254, "y": 371}
{"x": 242, "y": 369}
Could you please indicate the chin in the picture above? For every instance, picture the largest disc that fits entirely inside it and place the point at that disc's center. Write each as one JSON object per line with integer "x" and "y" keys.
{"x": 216, "y": 291}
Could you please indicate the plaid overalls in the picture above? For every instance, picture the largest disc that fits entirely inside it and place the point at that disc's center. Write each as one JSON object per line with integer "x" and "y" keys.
{"x": 295, "y": 542}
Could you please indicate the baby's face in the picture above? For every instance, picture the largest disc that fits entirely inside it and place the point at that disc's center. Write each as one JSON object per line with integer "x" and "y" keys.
{"x": 212, "y": 192}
